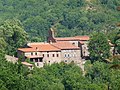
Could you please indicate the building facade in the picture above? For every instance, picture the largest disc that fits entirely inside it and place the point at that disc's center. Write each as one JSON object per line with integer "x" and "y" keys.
{"x": 56, "y": 50}
{"x": 79, "y": 41}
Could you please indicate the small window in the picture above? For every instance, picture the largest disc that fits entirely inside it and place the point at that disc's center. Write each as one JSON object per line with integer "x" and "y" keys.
{"x": 31, "y": 59}
{"x": 31, "y": 53}
{"x": 68, "y": 55}
{"x": 36, "y": 48}
{"x": 36, "y": 53}
{"x": 53, "y": 55}
{"x": 36, "y": 60}
{"x": 73, "y": 43}
{"x": 57, "y": 55}
{"x": 47, "y": 55}
{"x": 37, "y": 64}
{"x": 41, "y": 60}
{"x": 65, "y": 61}
{"x": 65, "y": 55}
{"x": 43, "y": 55}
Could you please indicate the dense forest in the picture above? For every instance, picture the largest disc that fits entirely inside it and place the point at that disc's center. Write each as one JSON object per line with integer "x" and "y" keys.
{"x": 81, "y": 17}
{"x": 23, "y": 21}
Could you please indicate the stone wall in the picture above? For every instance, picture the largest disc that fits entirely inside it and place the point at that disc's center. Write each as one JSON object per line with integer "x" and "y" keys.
{"x": 70, "y": 55}
{"x": 51, "y": 57}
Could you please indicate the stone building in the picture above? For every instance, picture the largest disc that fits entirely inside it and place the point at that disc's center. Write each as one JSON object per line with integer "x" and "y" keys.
{"x": 79, "y": 41}
{"x": 56, "y": 50}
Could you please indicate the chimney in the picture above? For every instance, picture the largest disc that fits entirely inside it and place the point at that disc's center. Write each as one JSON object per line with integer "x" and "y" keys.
{"x": 50, "y": 42}
{"x": 36, "y": 48}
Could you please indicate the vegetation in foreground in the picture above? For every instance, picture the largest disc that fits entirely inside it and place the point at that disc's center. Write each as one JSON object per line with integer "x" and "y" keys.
{"x": 98, "y": 76}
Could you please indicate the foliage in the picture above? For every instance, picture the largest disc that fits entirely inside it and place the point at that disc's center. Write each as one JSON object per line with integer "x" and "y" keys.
{"x": 103, "y": 75}
{"x": 99, "y": 76}
{"x": 117, "y": 42}
{"x": 12, "y": 35}
{"x": 69, "y": 18}
{"x": 99, "y": 47}
{"x": 81, "y": 17}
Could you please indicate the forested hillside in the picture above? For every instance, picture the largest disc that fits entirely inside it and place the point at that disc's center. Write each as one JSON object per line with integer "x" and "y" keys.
{"x": 23, "y": 21}
{"x": 69, "y": 17}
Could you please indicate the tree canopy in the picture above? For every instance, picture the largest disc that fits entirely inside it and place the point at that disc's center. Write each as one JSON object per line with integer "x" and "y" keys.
{"x": 99, "y": 47}
{"x": 20, "y": 18}
{"x": 117, "y": 42}
{"x": 81, "y": 17}
{"x": 12, "y": 35}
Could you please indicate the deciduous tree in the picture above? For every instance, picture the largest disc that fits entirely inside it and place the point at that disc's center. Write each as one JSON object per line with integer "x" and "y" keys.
{"x": 99, "y": 47}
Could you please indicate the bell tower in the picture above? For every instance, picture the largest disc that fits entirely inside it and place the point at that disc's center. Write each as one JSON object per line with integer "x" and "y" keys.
{"x": 51, "y": 36}
{"x": 51, "y": 33}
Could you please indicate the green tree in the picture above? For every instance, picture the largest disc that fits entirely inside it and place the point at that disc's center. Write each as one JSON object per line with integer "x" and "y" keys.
{"x": 117, "y": 42}
{"x": 102, "y": 75}
{"x": 13, "y": 34}
{"x": 99, "y": 47}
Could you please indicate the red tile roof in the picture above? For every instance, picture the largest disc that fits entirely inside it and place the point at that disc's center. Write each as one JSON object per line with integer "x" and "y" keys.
{"x": 45, "y": 47}
{"x": 27, "y": 49}
{"x": 76, "y": 38}
{"x": 33, "y": 47}
{"x": 64, "y": 45}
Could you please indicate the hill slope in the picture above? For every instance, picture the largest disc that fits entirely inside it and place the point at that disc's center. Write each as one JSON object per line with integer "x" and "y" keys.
{"x": 77, "y": 16}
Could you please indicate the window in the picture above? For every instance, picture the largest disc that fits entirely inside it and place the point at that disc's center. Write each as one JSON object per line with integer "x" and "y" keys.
{"x": 57, "y": 55}
{"x": 68, "y": 55}
{"x": 53, "y": 55}
{"x": 36, "y": 53}
{"x": 41, "y": 60}
{"x": 65, "y": 61}
{"x": 31, "y": 59}
{"x": 36, "y": 48}
{"x": 31, "y": 53}
{"x": 47, "y": 55}
{"x": 37, "y": 64}
{"x": 36, "y": 60}
{"x": 43, "y": 55}
{"x": 73, "y": 43}
{"x": 65, "y": 55}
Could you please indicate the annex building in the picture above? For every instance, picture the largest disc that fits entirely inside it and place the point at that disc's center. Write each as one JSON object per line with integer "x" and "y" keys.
{"x": 56, "y": 50}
